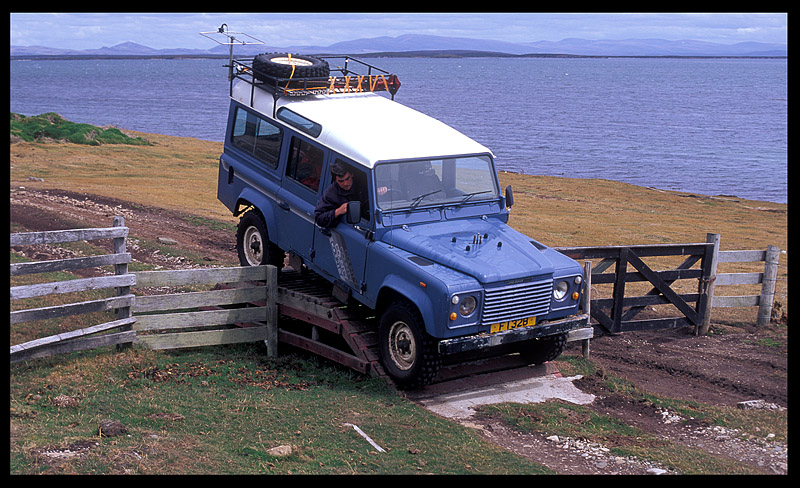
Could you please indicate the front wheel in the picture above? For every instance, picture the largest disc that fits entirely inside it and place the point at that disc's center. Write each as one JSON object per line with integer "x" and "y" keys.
{"x": 407, "y": 353}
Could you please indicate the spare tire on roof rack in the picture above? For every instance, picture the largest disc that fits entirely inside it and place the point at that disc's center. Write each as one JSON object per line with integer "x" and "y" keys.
{"x": 268, "y": 66}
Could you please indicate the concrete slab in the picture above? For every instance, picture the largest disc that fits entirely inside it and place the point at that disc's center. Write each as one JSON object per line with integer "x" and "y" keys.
{"x": 458, "y": 398}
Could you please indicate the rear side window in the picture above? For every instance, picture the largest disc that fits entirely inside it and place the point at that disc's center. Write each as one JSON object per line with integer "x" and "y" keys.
{"x": 305, "y": 163}
{"x": 256, "y": 136}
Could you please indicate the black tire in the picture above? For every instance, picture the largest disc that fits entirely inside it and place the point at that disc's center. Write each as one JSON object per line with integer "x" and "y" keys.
{"x": 269, "y": 66}
{"x": 252, "y": 242}
{"x": 408, "y": 354}
{"x": 544, "y": 349}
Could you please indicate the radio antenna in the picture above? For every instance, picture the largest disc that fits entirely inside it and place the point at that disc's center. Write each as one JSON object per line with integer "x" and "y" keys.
{"x": 230, "y": 39}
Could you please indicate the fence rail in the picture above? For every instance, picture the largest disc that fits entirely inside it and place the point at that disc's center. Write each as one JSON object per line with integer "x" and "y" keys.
{"x": 245, "y": 306}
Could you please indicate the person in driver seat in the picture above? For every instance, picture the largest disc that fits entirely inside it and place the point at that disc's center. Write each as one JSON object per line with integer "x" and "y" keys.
{"x": 333, "y": 203}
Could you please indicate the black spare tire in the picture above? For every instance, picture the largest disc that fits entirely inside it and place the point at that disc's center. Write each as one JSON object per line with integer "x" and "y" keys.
{"x": 269, "y": 66}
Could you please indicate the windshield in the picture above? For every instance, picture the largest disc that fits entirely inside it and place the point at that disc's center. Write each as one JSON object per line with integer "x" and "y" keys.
{"x": 409, "y": 184}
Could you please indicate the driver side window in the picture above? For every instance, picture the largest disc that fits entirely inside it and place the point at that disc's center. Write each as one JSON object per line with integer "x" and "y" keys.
{"x": 360, "y": 187}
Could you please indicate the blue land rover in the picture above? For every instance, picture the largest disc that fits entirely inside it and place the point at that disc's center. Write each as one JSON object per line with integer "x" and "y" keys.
{"x": 424, "y": 240}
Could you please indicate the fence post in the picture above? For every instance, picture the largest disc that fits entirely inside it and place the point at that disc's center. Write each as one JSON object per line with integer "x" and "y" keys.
{"x": 587, "y": 302}
{"x": 272, "y": 312}
{"x": 768, "y": 285}
{"x": 707, "y": 288}
{"x": 121, "y": 269}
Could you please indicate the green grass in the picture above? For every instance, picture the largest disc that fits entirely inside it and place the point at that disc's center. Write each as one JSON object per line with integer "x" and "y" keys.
{"x": 219, "y": 410}
{"x": 51, "y": 126}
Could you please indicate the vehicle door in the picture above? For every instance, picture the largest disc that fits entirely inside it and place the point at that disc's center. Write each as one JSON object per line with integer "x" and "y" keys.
{"x": 341, "y": 250}
{"x": 298, "y": 196}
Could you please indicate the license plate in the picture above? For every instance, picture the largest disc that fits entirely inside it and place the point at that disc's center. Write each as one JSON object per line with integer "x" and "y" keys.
{"x": 512, "y": 324}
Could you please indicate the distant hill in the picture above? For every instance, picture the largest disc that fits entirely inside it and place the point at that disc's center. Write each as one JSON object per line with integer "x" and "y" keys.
{"x": 429, "y": 45}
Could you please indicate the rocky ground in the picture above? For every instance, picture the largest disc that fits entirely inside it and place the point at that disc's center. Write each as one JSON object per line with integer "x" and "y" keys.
{"x": 720, "y": 369}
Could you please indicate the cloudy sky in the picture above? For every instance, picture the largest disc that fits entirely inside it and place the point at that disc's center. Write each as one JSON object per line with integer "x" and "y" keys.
{"x": 181, "y": 30}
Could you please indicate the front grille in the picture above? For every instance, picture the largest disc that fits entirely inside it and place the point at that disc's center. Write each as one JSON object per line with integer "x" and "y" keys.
{"x": 516, "y": 301}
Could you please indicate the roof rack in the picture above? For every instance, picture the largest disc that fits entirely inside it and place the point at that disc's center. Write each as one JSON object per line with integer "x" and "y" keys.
{"x": 342, "y": 79}
{"x": 368, "y": 78}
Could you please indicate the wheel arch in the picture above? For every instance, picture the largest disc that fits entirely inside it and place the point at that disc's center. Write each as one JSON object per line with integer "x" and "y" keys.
{"x": 396, "y": 288}
{"x": 260, "y": 203}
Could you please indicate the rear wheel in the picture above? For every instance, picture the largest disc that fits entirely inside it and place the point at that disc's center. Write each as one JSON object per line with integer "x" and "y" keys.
{"x": 253, "y": 245}
{"x": 407, "y": 353}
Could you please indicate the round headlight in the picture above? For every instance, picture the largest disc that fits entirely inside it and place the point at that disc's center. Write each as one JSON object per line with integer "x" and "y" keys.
{"x": 467, "y": 305}
{"x": 560, "y": 291}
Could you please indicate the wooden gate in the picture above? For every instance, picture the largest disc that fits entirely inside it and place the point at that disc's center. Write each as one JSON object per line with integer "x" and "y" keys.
{"x": 617, "y": 313}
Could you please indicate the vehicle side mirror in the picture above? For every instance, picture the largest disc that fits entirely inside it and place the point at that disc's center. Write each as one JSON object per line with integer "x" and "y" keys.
{"x": 509, "y": 196}
{"x": 353, "y": 212}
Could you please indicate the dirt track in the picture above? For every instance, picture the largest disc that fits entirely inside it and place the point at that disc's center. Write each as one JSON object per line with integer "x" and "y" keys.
{"x": 720, "y": 369}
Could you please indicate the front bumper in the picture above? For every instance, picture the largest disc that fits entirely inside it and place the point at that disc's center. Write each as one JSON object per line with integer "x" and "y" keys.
{"x": 485, "y": 342}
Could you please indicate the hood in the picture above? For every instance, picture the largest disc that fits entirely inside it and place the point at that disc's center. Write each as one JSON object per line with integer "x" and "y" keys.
{"x": 488, "y": 250}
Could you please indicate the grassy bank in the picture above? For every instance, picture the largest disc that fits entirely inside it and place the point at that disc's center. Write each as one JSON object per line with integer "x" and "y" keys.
{"x": 52, "y": 127}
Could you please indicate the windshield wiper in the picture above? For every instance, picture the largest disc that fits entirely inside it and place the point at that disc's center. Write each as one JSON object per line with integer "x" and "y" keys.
{"x": 419, "y": 198}
{"x": 467, "y": 196}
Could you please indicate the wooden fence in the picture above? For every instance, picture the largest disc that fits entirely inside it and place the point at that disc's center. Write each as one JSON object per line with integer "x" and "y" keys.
{"x": 158, "y": 321}
{"x": 767, "y": 279}
{"x": 86, "y": 338}
{"x": 246, "y": 308}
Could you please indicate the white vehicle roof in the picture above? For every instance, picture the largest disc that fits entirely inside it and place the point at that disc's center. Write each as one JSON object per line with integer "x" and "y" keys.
{"x": 368, "y": 127}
